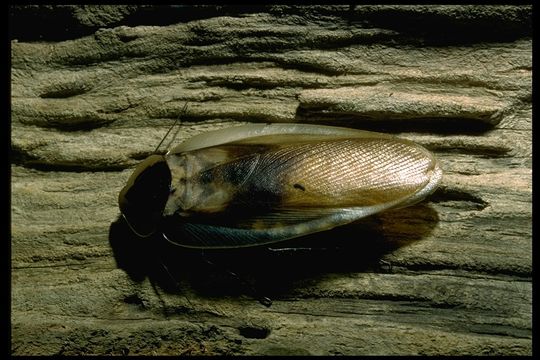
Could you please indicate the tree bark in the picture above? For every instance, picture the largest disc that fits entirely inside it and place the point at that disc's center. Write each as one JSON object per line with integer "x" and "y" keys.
{"x": 94, "y": 90}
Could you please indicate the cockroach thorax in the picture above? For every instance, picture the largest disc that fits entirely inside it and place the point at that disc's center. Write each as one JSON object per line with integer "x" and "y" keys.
{"x": 143, "y": 198}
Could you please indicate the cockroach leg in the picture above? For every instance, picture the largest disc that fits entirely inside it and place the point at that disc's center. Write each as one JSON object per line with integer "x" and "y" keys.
{"x": 385, "y": 265}
{"x": 175, "y": 284}
{"x": 163, "y": 304}
{"x": 263, "y": 300}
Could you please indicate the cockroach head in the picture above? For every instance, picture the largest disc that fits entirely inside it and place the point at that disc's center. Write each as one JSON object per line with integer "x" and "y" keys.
{"x": 143, "y": 198}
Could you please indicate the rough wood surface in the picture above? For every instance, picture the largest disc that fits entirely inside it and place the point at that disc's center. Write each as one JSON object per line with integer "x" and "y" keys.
{"x": 449, "y": 276}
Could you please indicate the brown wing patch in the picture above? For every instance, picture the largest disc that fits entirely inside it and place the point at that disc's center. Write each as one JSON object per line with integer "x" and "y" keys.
{"x": 344, "y": 173}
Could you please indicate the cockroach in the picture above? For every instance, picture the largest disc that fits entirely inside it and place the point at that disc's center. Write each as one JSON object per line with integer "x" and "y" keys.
{"x": 263, "y": 183}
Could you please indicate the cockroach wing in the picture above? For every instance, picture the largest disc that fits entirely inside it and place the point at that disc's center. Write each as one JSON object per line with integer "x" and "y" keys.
{"x": 284, "y": 181}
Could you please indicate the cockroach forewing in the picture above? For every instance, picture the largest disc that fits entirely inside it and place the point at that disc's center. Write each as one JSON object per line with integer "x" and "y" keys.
{"x": 245, "y": 132}
{"x": 301, "y": 179}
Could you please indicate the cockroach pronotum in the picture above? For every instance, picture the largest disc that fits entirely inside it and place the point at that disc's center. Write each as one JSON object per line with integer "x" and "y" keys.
{"x": 263, "y": 183}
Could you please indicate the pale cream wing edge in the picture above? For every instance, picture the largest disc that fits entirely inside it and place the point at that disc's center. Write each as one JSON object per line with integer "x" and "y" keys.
{"x": 242, "y": 132}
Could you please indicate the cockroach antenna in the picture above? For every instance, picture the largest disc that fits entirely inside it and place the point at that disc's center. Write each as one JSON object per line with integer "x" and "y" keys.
{"x": 170, "y": 129}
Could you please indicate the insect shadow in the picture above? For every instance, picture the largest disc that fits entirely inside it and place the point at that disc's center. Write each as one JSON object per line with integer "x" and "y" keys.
{"x": 272, "y": 270}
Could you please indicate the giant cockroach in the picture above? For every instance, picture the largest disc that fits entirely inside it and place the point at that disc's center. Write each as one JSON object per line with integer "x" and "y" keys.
{"x": 263, "y": 183}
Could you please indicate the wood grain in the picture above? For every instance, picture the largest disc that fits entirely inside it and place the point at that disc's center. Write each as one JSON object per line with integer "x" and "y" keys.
{"x": 450, "y": 276}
